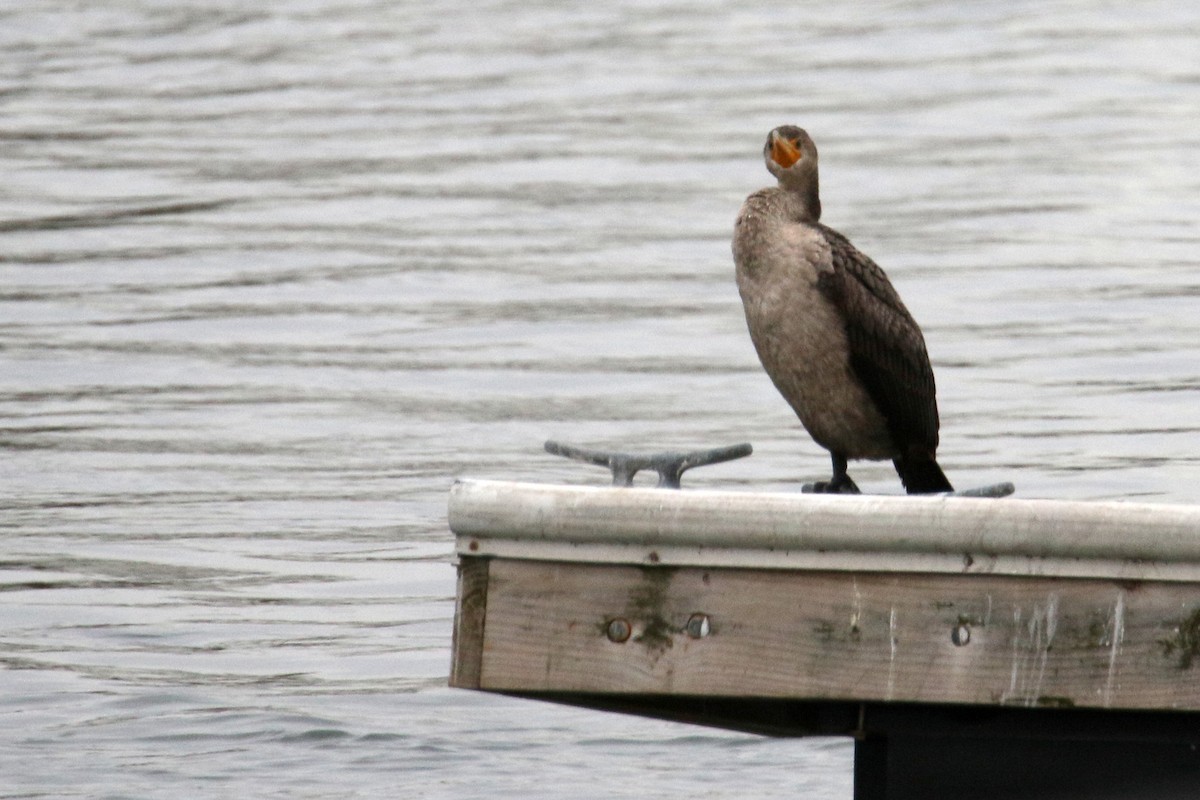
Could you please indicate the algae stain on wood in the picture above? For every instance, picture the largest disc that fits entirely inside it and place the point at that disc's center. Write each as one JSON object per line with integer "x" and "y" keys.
{"x": 1185, "y": 644}
{"x": 647, "y": 603}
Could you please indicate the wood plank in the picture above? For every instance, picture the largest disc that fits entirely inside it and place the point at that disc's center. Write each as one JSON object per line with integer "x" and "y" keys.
{"x": 469, "y": 620}
{"x": 978, "y": 639}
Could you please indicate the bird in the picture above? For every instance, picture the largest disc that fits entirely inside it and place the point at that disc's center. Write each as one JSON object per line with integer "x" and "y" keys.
{"x": 830, "y": 329}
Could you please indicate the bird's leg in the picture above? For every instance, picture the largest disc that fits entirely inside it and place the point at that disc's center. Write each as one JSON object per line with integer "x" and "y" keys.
{"x": 840, "y": 483}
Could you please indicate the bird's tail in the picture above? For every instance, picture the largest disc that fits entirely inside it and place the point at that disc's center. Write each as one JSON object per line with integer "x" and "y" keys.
{"x": 922, "y": 475}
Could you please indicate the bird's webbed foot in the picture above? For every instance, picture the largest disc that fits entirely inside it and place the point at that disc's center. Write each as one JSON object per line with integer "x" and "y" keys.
{"x": 843, "y": 486}
{"x": 840, "y": 483}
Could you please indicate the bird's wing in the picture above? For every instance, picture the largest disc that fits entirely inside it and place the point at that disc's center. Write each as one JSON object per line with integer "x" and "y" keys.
{"x": 887, "y": 350}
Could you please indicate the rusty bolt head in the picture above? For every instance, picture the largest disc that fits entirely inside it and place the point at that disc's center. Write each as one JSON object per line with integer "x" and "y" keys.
{"x": 618, "y": 630}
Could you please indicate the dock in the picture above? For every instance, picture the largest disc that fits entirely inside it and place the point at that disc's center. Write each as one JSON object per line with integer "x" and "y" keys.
{"x": 973, "y": 648}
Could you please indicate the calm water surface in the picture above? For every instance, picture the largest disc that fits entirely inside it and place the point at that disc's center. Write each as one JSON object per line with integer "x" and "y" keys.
{"x": 271, "y": 279}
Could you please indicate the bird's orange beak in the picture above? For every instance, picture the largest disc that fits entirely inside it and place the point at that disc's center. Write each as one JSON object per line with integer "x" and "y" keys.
{"x": 783, "y": 152}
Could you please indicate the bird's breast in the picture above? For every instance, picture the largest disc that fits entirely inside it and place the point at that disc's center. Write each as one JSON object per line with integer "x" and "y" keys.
{"x": 800, "y": 335}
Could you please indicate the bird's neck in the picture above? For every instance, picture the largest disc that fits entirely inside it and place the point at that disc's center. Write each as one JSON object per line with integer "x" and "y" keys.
{"x": 804, "y": 199}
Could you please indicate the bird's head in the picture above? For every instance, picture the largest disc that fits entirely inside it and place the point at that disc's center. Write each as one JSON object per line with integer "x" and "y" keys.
{"x": 791, "y": 157}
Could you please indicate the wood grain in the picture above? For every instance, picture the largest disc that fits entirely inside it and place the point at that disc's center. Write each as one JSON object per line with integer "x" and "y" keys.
{"x": 469, "y": 620}
{"x": 977, "y": 639}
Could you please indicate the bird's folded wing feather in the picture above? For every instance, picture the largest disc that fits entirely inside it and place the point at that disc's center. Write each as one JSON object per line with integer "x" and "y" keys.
{"x": 887, "y": 350}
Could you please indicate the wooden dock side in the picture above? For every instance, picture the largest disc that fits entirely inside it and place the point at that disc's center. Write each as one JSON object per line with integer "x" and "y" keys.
{"x": 1024, "y": 638}
{"x": 469, "y": 623}
{"x": 1079, "y": 643}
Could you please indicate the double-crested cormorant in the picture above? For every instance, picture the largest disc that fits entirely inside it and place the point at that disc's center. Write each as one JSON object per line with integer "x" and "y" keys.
{"x": 830, "y": 330}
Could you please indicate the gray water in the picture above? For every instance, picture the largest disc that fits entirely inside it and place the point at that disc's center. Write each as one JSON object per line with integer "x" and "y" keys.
{"x": 271, "y": 279}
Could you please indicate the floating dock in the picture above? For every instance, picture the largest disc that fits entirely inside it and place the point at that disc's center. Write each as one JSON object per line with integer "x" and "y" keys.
{"x": 974, "y": 648}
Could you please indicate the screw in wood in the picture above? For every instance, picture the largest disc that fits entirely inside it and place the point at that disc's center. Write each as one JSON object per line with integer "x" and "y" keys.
{"x": 698, "y": 626}
{"x": 618, "y": 630}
